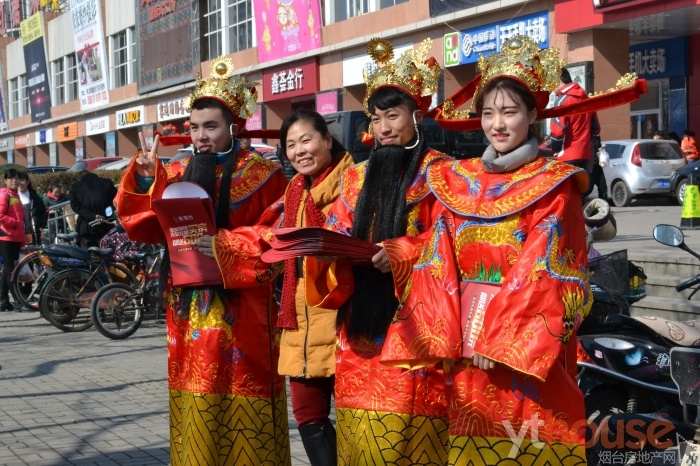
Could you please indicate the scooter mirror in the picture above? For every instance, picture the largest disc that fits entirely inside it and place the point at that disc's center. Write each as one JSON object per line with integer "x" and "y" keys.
{"x": 669, "y": 235}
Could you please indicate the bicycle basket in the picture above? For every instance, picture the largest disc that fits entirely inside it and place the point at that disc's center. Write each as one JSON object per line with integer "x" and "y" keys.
{"x": 611, "y": 272}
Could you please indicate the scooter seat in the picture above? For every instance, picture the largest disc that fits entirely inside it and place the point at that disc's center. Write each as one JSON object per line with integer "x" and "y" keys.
{"x": 682, "y": 333}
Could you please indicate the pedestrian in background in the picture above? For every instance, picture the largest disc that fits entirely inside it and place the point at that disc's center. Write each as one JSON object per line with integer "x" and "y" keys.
{"x": 689, "y": 146}
{"x": 35, "y": 213}
{"x": 572, "y": 135}
{"x": 89, "y": 198}
{"x": 12, "y": 236}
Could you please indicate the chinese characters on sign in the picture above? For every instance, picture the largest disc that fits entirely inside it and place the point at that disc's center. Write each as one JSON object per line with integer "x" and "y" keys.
{"x": 171, "y": 110}
{"x": 650, "y": 62}
{"x": 287, "y": 81}
{"x": 489, "y": 39}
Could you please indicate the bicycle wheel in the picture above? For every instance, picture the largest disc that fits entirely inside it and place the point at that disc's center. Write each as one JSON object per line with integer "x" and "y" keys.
{"x": 27, "y": 278}
{"x": 117, "y": 311}
{"x": 66, "y": 297}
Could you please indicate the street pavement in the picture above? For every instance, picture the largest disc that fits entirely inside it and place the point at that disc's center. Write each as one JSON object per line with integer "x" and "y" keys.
{"x": 82, "y": 399}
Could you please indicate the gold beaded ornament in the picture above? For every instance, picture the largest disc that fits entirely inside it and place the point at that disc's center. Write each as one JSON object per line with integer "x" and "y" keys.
{"x": 237, "y": 94}
{"x": 539, "y": 70}
{"x": 413, "y": 72}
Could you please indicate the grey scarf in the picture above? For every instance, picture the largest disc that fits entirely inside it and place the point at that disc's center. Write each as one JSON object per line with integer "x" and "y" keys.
{"x": 512, "y": 160}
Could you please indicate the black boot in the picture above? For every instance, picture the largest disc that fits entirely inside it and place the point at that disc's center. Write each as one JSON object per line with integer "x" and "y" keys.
{"x": 319, "y": 443}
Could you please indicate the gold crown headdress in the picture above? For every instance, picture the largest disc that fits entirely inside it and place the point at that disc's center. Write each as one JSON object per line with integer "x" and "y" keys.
{"x": 413, "y": 72}
{"x": 539, "y": 70}
{"x": 237, "y": 94}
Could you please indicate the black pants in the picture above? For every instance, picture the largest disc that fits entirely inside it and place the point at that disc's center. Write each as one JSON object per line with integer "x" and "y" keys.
{"x": 598, "y": 180}
{"x": 586, "y": 165}
{"x": 9, "y": 251}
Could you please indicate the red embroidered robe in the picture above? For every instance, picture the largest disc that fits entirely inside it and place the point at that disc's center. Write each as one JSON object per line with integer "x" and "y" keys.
{"x": 227, "y": 402}
{"x": 525, "y": 230}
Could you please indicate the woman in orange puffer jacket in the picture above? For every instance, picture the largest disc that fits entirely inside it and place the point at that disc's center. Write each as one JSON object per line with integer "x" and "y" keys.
{"x": 11, "y": 233}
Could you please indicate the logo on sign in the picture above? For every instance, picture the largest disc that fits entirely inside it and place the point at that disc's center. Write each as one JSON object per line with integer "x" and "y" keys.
{"x": 131, "y": 117}
{"x": 467, "y": 47}
{"x": 451, "y": 49}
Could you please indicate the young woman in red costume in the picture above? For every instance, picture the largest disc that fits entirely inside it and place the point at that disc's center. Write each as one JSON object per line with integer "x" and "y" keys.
{"x": 513, "y": 220}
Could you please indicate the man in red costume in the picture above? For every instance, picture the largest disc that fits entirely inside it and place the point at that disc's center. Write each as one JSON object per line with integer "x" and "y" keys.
{"x": 384, "y": 415}
{"x": 227, "y": 402}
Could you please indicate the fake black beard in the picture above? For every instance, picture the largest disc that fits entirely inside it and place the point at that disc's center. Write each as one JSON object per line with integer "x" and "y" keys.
{"x": 380, "y": 214}
{"x": 201, "y": 169}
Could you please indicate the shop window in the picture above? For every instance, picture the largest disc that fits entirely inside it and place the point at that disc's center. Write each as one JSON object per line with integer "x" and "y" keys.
{"x": 122, "y": 58}
{"x": 388, "y": 3}
{"x": 71, "y": 66}
{"x": 229, "y": 27}
{"x": 13, "y": 87}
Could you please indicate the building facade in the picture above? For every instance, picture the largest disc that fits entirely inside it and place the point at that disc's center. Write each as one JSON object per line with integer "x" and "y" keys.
{"x": 83, "y": 81}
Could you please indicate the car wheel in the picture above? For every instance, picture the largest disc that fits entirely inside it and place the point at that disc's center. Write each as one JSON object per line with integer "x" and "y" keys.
{"x": 621, "y": 195}
{"x": 680, "y": 191}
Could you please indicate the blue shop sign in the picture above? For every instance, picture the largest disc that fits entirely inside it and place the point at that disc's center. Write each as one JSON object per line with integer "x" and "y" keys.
{"x": 661, "y": 59}
{"x": 488, "y": 39}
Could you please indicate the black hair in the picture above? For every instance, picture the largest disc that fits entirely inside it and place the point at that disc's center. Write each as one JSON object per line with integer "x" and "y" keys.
{"x": 208, "y": 102}
{"x": 565, "y": 76}
{"x": 516, "y": 90}
{"x": 22, "y": 175}
{"x": 387, "y": 97}
{"x": 316, "y": 121}
{"x": 11, "y": 173}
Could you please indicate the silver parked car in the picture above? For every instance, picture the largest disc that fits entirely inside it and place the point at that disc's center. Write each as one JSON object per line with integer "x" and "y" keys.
{"x": 640, "y": 167}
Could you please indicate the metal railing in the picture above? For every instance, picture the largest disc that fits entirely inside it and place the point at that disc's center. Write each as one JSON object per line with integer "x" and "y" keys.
{"x": 62, "y": 221}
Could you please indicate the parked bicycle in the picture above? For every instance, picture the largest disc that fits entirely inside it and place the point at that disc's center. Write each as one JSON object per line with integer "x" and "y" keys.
{"x": 66, "y": 296}
{"x": 118, "y": 309}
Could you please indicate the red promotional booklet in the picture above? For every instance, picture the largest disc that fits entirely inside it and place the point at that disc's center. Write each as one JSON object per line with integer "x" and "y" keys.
{"x": 184, "y": 220}
{"x": 475, "y": 298}
{"x": 317, "y": 241}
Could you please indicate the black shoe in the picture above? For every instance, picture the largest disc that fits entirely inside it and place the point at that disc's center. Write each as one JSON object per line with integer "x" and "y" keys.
{"x": 6, "y": 306}
{"x": 319, "y": 443}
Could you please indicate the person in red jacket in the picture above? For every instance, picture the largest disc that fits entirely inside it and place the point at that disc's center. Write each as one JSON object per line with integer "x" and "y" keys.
{"x": 11, "y": 233}
{"x": 571, "y": 135}
{"x": 689, "y": 146}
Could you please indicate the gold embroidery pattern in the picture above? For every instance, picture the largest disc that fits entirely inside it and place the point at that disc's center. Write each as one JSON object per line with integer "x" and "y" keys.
{"x": 498, "y": 233}
{"x": 447, "y": 182}
{"x": 489, "y": 451}
{"x": 374, "y": 438}
{"x": 224, "y": 429}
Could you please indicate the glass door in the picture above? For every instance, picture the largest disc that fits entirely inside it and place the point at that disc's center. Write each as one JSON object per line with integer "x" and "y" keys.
{"x": 644, "y": 124}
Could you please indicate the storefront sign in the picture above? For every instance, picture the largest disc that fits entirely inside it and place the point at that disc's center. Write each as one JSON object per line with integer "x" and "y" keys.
{"x": 352, "y": 67}
{"x": 30, "y": 156}
{"x": 327, "y": 102}
{"x": 79, "y": 148}
{"x": 53, "y": 154}
{"x": 111, "y": 144}
{"x": 38, "y": 88}
{"x": 43, "y": 136}
{"x": 7, "y": 143}
{"x": 23, "y": 140}
{"x": 67, "y": 132}
{"x": 133, "y": 116}
{"x": 88, "y": 41}
{"x": 660, "y": 59}
{"x": 171, "y": 110}
{"x": 10, "y": 156}
{"x": 489, "y": 39}
{"x": 291, "y": 80}
{"x": 97, "y": 125}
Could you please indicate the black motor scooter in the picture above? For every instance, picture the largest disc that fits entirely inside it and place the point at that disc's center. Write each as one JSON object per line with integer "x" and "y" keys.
{"x": 626, "y": 374}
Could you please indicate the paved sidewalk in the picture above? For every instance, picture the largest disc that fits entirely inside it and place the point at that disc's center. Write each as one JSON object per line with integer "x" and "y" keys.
{"x": 82, "y": 399}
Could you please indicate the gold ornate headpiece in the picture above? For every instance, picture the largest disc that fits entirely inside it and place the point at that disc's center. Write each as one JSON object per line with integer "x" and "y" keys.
{"x": 413, "y": 72}
{"x": 540, "y": 70}
{"x": 522, "y": 59}
{"x": 237, "y": 94}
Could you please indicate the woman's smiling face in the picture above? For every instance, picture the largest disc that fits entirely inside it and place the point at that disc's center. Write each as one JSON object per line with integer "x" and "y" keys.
{"x": 505, "y": 120}
{"x": 308, "y": 150}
